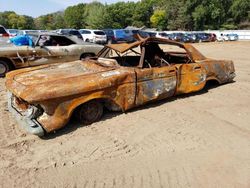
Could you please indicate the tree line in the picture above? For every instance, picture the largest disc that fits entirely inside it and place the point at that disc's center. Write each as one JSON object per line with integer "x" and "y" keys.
{"x": 160, "y": 14}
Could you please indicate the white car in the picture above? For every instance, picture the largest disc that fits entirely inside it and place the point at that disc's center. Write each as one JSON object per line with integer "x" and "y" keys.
{"x": 232, "y": 37}
{"x": 95, "y": 36}
{"x": 161, "y": 34}
{"x": 222, "y": 37}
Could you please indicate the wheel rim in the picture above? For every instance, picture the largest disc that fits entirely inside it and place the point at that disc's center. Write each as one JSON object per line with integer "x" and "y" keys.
{"x": 3, "y": 69}
{"x": 91, "y": 112}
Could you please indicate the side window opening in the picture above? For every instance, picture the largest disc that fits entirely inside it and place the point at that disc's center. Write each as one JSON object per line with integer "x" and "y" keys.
{"x": 130, "y": 58}
{"x": 174, "y": 54}
{"x": 62, "y": 41}
{"x": 47, "y": 40}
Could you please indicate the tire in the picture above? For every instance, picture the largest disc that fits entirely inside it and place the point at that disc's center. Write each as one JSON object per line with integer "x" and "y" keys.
{"x": 4, "y": 68}
{"x": 90, "y": 112}
{"x": 87, "y": 40}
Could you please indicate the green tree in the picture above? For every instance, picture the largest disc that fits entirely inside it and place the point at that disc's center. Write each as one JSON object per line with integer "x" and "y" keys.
{"x": 75, "y": 16}
{"x": 142, "y": 13}
{"x": 199, "y": 17}
{"x": 240, "y": 10}
{"x": 13, "y": 19}
{"x": 119, "y": 15}
{"x": 158, "y": 19}
{"x": 95, "y": 15}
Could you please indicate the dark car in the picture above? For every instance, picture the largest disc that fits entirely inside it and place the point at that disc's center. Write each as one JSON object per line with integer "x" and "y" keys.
{"x": 150, "y": 33}
{"x": 119, "y": 35}
{"x": 3, "y": 32}
{"x": 110, "y": 35}
{"x": 72, "y": 32}
{"x": 187, "y": 38}
{"x": 176, "y": 36}
{"x": 213, "y": 37}
{"x": 203, "y": 37}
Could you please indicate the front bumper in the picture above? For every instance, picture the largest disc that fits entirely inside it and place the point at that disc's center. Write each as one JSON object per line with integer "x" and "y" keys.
{"x": 29, "y": 124}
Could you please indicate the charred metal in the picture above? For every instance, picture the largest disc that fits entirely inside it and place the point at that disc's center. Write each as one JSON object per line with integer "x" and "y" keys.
{"x": 121, "y": 77}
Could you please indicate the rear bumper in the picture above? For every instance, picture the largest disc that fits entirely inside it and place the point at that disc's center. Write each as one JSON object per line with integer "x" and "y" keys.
{"x": 101, "y": 41}
{"x": 29, "y": 124}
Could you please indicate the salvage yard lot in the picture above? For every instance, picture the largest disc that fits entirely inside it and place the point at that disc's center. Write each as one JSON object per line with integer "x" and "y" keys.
{"x": 197, "y": 140}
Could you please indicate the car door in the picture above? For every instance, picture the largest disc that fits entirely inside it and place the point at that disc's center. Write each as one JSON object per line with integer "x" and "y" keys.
{"x": 191, "y": 77}
{"x": 52, "y": 51}
{"x": 20, "y": 55}
{"x": 155, "y": 83}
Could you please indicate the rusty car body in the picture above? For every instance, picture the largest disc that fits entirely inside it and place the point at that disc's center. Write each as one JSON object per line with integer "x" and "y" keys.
{"x": 48, "y": 48}
{"x": 121, "y": 77}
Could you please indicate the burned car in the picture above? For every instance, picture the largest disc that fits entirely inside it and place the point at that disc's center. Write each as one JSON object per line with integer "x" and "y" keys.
{"x": 47, "y": 48}
{"x": 121, "y": 77}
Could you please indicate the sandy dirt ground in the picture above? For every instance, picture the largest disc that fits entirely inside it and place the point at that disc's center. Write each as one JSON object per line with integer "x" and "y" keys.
{"x": 198, "y": 140}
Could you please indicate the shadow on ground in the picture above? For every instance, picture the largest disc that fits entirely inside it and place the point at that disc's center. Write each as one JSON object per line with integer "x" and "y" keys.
{"x": 73, "y": 124}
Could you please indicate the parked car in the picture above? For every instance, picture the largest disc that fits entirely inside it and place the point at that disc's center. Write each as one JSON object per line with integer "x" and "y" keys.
{"x": 133, "y": 32}
{"x": 150, "y": 33}
{"x": 161, "y": 34}
{"x": 95, "y": 36}
{"x": 213, "y": 37}
{"x": 145, "y": 34}
{"x": 13, "y": 32}
{"x": 121, "y": 77}
{"x": 47, "y": 48}
{"x": 176, "y": 36}
{"x": 110, "y": 35}
{"x": 222, "y": 37}
{"x": 203, "y": 37}
{"x": 118, "y": 36}
{"x": 70, "y": 32}
{"x": 3, "y": 32}
{"x": 232, "y": 37}
{"x": 188, "y": 38}
{"x": 26, "y": 32}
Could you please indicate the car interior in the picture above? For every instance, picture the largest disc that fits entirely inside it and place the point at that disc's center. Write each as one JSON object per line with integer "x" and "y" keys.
{"x": 50, "y": 40}
{"x": 155, "y": 56}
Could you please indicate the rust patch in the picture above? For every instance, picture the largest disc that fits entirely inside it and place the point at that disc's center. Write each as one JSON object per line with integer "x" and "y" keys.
{"x": 128, "y": 77}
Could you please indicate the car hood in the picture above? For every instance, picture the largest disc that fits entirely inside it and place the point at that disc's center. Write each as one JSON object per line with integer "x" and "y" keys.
{"x": 60, "y": 80}
{"x": 57, "y": 72}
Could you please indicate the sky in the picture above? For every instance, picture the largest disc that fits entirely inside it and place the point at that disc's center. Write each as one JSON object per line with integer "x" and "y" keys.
{"x": 37, "y": 8}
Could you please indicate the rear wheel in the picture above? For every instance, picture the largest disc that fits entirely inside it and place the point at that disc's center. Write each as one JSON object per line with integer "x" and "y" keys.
{"x": 4, "y": 68}
{"x": 90, "y": 112}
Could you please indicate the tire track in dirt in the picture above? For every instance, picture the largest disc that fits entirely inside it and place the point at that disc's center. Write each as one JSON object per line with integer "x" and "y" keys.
{"x": 158, "y": 177}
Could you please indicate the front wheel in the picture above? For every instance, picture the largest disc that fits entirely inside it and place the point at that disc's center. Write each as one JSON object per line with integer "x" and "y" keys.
{"x": 4, "y": 68}
{"x": 90, "y": 112}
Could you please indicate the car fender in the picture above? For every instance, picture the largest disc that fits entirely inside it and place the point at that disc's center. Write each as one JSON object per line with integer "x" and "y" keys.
{"x": 63, "y": 111}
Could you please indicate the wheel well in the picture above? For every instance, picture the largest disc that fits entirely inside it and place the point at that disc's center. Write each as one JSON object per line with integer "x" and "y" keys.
{"x": 211, "y": 84}
{"x": 7, "y": 60}
{"x": 87, "y": 54}
{"x": 107, "y": 103}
